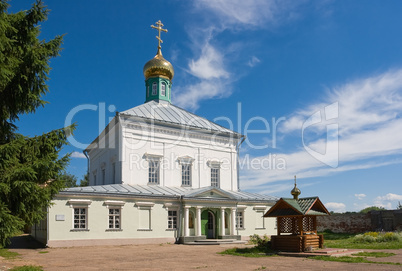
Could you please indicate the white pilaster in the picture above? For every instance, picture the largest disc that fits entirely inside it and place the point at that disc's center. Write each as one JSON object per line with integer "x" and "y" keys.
{"x": 186, "y": 218}
{"x": 223, "y": 221}
{"x": 233, "y": 222}
{"x": 198, "y": 221}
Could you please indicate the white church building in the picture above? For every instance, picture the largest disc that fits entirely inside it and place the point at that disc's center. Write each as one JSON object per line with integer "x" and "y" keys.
{"x": 158, "y": 174}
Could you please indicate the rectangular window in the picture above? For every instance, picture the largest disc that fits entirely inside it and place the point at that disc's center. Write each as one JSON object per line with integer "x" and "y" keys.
{"x": 80, "y": 218}
{"x": 103, "y": 176}
{"x": 186, "y": 174}
{"x": 163, "y": 90}
{"x": 259, "y": 223}
{"x": 215, "y": 177}
{"x": 114, "y": 172}
{"x": 154, "y": 88}
{"x": 239, "y": 220}
{"x": 114, "y": 218}
{"x": 153, "y": 172}
{"x": 172, "y": 219}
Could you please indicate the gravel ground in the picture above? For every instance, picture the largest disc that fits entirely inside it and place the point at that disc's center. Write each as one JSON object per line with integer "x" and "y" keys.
{"x": 172, "y": 257}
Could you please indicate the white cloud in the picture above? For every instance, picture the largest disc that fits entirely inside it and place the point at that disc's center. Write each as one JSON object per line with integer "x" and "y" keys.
{"x": 253, "y": 61}
{"x": 337, "y": 207}
{"x": 390, "y": 197}
{"x": 190, "y": 96}
{"x": 360, "y": 196}
{"x": 77, "y": 155}
{"x": 250, "y": 12}
{"x": 369, "y": 124}
{"x": 209, "y": 65}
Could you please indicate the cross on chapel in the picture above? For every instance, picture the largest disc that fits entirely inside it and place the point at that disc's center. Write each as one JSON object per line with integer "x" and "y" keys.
{"x": 159, "y": 28}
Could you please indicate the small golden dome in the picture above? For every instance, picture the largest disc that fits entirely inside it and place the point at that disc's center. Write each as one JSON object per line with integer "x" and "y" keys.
{"x": 295, "y": 191}
{"x": 158, "y": 66}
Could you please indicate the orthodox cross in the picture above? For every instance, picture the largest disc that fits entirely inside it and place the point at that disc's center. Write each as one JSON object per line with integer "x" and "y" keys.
{"x": 159, "y": 28}
{"x": 295, "y": 180}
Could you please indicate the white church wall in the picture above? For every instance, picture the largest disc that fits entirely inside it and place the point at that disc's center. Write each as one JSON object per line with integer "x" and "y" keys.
{"x": 254, "y": 223}
{"x": 105, "y": 156}
{"x": 133, "y": 230}
{"x": 138, "y": 143}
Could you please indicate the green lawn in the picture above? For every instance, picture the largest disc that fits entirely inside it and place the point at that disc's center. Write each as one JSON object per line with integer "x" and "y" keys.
{"x": 349, "y": 259}
{"x": 249, "y": 252}
{"x": 27, "y": 268}
{"x": 5, "y": 253}
{"x": 342, "y": 240}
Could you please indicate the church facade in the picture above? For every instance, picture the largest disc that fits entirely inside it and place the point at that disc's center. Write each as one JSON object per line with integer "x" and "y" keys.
{"x": 158, "y": 173}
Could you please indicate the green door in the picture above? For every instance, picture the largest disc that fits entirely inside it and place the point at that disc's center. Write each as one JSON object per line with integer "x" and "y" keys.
{"x": 208, "y": 223}
{"x": 204, "y": 222}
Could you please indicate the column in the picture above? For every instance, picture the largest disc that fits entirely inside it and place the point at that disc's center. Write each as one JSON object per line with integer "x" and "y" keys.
{"x": 233, "y": 222}
{"x": 198, "y": 221}
{"x": 223, "y": 221}
{"x": 186, "y": 216}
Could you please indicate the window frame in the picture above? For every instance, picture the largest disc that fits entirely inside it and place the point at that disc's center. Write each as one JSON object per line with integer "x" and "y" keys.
{"x": 80, "y": 204}
{"x": 113, "y": 216}
{"x": 215, "y": 174}
{"x": 103, "y": 172}
{"x": 85, "y": 220}
{"x": 154, "y": 171}
{"x": 215, "y": 177}
{"x": 153, "y": 159}
{"x": 172, "y": 220}
{"x": 154, "y": 88}
{"x": 186, "y": 174}
{"x": 240, "y": 219}
{"x": 186, "y": 162}
{"x": 163, "y": 89}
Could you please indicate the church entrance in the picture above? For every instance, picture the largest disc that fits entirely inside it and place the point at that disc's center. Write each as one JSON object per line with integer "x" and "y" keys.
{"x": 208, "y": 223}
{"x": 211, "y": 226}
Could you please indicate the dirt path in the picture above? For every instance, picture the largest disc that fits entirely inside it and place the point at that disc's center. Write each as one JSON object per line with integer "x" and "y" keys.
{"x": 173, "y": 257}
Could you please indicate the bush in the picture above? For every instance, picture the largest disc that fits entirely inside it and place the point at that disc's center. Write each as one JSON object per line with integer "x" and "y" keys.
{"x": 389, "y": 237}
{"x": 371, "y": 237}
{"x": 259, "y": 242}
{"x": 372, "y": 233}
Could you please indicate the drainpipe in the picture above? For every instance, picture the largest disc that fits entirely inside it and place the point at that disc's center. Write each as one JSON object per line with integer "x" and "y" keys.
{"x": 86, "y": 155}
{"x": 238, "y": 157}
{"x": 178, "y": 230}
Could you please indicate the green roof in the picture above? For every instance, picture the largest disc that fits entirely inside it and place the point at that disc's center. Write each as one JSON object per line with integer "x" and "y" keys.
{"x": 296, "y": 207}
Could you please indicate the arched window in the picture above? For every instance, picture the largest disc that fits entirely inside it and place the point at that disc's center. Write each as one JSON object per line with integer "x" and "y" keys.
{"x": 154, "y": 88}
{"x": 163, "y": 90}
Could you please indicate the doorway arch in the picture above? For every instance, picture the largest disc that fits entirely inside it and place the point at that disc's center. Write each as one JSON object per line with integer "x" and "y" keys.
{"x": 208, "y": 220}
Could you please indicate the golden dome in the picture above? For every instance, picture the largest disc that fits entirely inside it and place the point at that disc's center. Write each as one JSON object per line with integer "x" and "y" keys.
{"x": 295, "y": 191}
{"x": 158, "y": 66}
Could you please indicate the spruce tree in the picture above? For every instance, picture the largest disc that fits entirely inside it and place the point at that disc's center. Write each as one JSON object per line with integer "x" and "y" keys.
{"x": 30, "y": 167}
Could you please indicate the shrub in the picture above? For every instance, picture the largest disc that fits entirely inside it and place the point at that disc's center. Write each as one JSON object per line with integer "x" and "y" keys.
{"x": 371, "y": 237}
{"x": 259, "y": 242}
{"x": 389, "y": 237}
{"x": 372, "y": 233}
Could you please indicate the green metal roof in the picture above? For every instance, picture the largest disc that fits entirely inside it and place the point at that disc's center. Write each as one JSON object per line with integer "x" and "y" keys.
{"x": 293, "y": 207}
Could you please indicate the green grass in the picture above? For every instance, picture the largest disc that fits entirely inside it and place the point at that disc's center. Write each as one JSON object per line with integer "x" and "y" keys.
{"x": 43, "y": 252}
{"x": 27, "y": 268}
{"x": 374, "y": 254}
{"x": 248, "y": 252}
{"x": 348, "y": 259}
{"x": 6, "y": 254}
{"x": 343, "y": 240}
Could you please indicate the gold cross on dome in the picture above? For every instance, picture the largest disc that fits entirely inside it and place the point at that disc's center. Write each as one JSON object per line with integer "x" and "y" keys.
{"x": 159, "y": 28}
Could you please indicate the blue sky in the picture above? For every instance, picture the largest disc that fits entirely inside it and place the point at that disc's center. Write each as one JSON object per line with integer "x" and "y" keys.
{"x": 321, "y": 81}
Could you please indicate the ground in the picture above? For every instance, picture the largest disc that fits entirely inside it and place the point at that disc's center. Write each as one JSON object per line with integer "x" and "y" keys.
{"x": 171, "y": 257}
